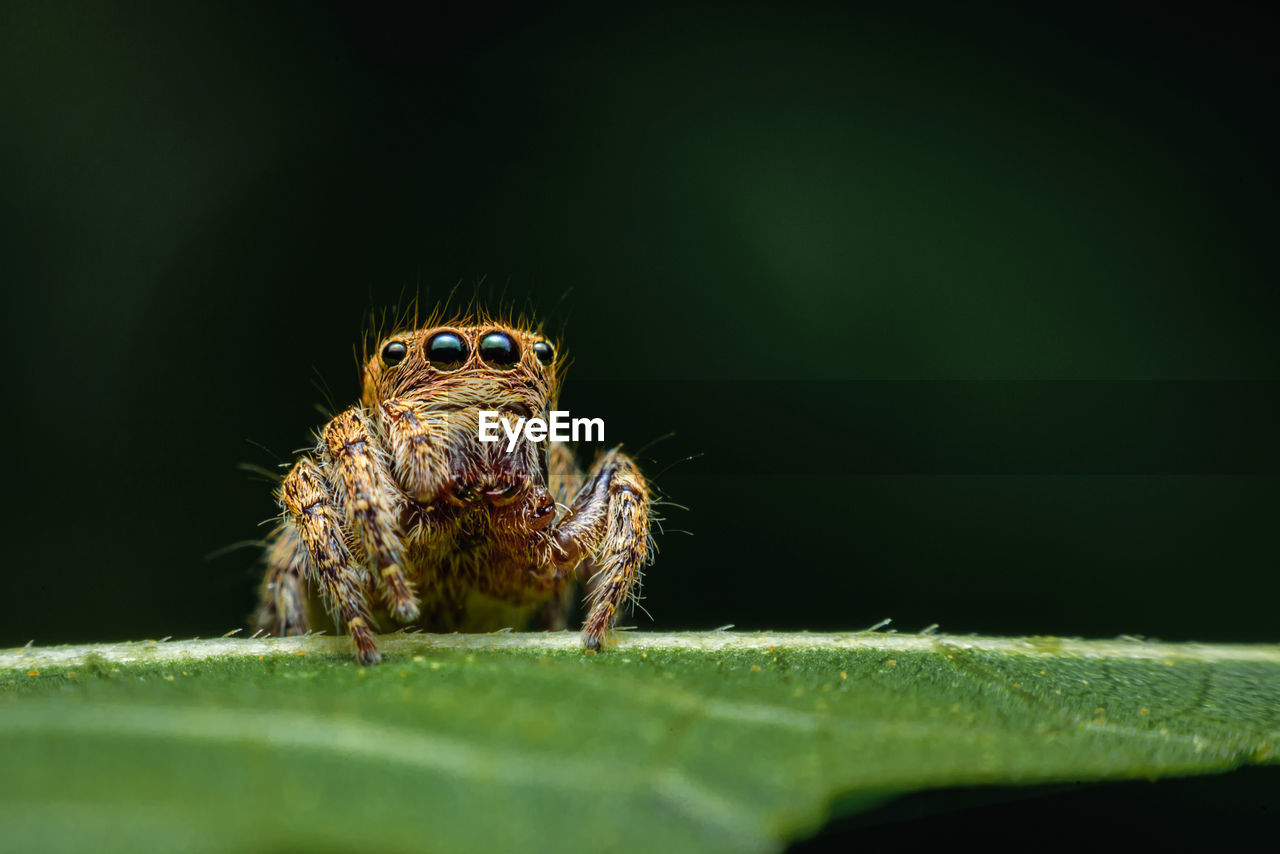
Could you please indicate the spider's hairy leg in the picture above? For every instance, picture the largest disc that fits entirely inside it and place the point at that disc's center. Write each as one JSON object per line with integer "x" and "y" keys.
{"x": 309, "y": 509}
{"x": 609, "y": 524}
{"x": 282, "y": 599}
{"x": 421, "y": 462}
{"x": 358, "y": 469}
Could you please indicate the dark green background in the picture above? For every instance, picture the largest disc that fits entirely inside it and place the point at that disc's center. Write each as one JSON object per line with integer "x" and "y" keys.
{"x": 756, "y": 226}
{"x": 741, "y": 217}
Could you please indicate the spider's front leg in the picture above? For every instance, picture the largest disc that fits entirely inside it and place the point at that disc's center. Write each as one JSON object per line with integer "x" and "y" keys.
{"x": 347, "y": 497}
{"x": 309, "y": 509}
{"x": 608, "y": 522}
{"x": 359, "y": 471}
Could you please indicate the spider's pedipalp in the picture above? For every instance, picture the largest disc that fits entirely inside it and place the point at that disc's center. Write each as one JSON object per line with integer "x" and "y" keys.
{"x": 421, "y": 462}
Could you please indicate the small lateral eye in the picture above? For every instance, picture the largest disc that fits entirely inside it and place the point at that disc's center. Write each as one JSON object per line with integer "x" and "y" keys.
{"x": 394, "y": 352}
{"x": 499, "y": 348}
{"x": 544, "y": 351}
{"x": 446, "y": 350}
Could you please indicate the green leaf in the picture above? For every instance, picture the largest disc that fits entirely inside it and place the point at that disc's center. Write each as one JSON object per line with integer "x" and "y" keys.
{"x": 676, "y": 742}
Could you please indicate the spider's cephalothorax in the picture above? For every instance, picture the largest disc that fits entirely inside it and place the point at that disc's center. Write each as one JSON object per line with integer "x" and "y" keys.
{"x": 401, "y": 511}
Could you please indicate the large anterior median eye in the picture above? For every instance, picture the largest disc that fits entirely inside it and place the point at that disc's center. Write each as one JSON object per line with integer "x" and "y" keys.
{"x": 499, "y": 349}
{"x": 446, "y": 350}
{"x": 544, "y": 352}
{"x": 394, "y": 352}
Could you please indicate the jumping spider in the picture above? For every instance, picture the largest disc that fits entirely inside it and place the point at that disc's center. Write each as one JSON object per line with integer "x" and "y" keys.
{"x": 401, "y": 511}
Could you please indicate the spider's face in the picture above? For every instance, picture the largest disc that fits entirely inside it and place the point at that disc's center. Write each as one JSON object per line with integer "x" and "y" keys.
{"x": 437, "y": 381}
{"x": 455, "y": 367}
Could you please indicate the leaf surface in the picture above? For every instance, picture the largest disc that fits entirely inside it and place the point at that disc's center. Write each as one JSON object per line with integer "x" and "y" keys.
{"x": 713, "y": 741}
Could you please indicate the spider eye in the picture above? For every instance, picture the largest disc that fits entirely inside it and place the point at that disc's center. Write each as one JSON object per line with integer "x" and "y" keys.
{"x": 499, "y": 348}
{"x": 394, "y": 352}
{"x": 544, "y": 351}
{"x": 446, "y": 350}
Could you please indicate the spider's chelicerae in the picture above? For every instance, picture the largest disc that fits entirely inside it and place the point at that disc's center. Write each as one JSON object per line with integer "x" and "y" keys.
{"x": 400, "y": 510}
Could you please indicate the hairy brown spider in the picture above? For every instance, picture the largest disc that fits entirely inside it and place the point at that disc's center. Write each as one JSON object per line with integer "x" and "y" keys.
{"x": 401, "y": 511}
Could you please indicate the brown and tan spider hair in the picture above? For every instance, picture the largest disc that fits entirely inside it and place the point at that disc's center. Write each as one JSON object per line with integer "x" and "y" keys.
{"x": 400, "y": 515}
